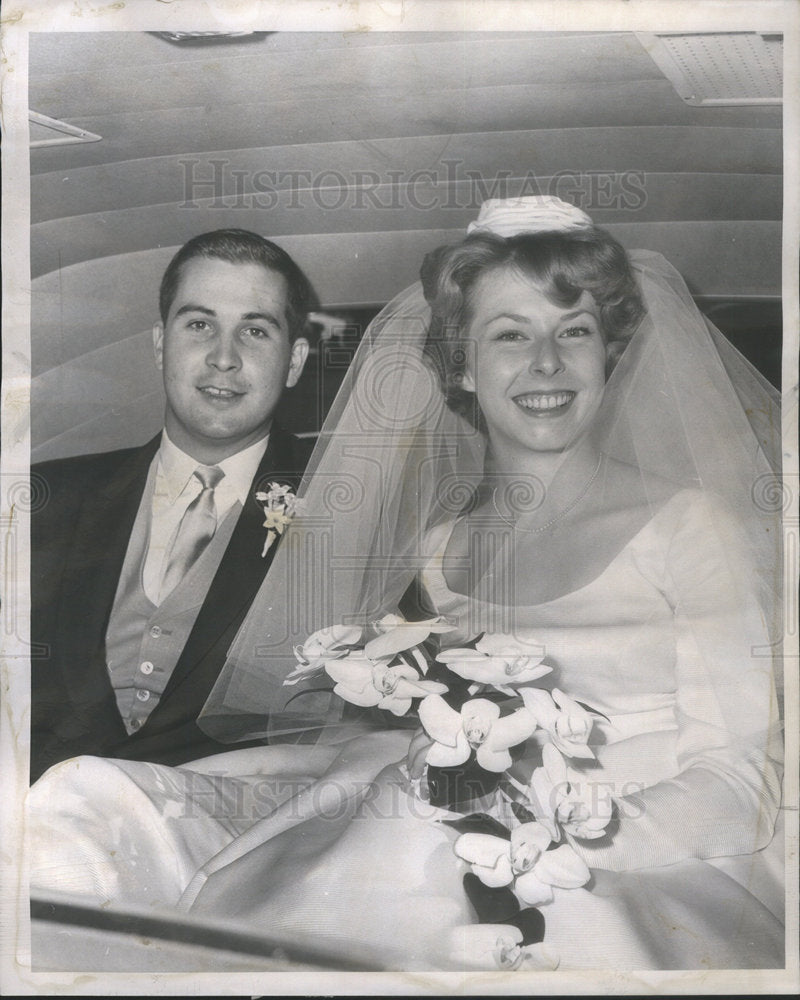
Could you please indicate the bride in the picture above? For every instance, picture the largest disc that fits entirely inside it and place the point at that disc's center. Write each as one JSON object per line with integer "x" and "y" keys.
{"x": 545, "y": 446}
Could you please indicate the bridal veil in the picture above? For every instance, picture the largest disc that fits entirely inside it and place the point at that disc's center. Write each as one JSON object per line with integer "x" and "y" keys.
{"x": 393, "y": 460}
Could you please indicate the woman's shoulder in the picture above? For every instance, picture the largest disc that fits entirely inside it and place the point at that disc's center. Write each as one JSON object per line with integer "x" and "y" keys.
{"x": 673, "y": 519}
{"x": 690, "y": 537}
{"x": 436, "y": 593}
{"x": 663, "y": 499}
{"x": 692, "y": 511}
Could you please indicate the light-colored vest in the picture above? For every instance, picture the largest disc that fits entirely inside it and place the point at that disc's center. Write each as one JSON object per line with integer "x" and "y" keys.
{"x": 145, "y": 641}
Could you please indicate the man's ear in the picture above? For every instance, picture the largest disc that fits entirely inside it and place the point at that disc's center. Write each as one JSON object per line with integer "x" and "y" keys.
{"x": 158, "y": 345}
{"x": 297, "y": 361}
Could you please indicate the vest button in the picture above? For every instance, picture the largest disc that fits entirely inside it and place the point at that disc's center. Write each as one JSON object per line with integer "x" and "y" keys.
{"x": 155, "y": 632}
{"x": 143, "y": 695}
{"x": 146, "y": 667}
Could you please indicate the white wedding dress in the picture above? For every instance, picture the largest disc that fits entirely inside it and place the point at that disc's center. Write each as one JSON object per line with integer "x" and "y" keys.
{"x": 329, "y": 845}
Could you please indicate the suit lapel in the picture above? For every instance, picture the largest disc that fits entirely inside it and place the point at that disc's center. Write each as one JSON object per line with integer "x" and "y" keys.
{"x": 237, "y": 579}
{"x": 93, "y": 565}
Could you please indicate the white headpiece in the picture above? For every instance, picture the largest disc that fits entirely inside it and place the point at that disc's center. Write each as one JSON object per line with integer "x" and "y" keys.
{"x": 532, "y": 214}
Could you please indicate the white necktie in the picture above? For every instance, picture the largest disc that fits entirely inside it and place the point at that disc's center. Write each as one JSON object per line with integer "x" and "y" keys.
{"x": 195, "y": 530}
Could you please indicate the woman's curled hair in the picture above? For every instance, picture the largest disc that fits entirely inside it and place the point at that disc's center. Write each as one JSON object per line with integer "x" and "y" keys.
{"x": 562, "y": 264}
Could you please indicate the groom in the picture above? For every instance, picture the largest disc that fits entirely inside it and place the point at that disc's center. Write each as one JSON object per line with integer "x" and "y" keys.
{"x": 145, "y": 561}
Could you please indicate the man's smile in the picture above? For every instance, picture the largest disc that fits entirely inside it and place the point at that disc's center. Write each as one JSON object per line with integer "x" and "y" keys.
{"x": 220, "y": 393}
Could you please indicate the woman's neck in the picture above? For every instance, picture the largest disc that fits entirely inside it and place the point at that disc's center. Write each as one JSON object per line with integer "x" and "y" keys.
{"x": 542, "y": 481}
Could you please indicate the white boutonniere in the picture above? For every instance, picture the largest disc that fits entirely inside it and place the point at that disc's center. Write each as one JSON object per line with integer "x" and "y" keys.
{"x": 280, "y": 505}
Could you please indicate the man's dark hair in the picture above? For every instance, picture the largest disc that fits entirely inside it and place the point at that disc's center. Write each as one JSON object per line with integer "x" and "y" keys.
{"x": 240, "y": 246}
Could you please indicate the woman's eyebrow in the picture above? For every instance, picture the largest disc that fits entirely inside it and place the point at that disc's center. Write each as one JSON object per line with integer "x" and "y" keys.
{"x": 514, "y": 317}
{"x": 517, "y": 318}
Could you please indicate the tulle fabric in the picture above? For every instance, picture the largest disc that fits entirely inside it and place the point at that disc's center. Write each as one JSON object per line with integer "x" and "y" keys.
{"x": 393, "y": 461}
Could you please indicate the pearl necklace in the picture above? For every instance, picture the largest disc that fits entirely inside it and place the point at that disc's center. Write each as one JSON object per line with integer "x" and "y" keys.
{"x": 559, "y": 515}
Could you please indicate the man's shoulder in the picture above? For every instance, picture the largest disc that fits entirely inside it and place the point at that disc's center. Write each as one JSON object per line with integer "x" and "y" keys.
{"x": 86, "y": 471}
{"x": 85, "y": 462}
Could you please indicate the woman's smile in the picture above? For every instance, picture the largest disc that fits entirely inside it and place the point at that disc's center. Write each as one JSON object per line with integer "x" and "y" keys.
{"x": 545, "y": 404}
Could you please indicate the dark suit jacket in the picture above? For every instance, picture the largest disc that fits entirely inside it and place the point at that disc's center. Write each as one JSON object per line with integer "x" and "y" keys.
{"x": 78, "y": 541}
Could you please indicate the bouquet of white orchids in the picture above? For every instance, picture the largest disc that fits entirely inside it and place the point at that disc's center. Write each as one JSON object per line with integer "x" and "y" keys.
{"x": 501, "y": 750}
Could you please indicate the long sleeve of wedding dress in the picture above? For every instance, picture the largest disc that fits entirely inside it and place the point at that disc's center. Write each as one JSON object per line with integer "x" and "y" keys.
{"x": 672, "y": 646}
{"x": 724, "y": 798}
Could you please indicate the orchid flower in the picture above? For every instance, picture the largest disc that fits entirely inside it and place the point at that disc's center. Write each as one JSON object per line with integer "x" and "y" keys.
{"x": 280, "y": 505}
{"x": 276, "y": 520}
{"x": 497, "y": 660}
{"x": 567, "y": 723}
{"x": 280, "y": 497}
{"x": 496, "y": 946}
{"x": 477, "y": 726}
{"x": 319, "y": 648}
{"x": 558, "y": 795}
{"x": 370, "y": 683}
{"x": 396, "y": 635}
{"x": 523, "y": 860}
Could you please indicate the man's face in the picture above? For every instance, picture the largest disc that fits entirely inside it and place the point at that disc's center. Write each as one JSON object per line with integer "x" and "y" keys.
{"x": 226, "y": 356}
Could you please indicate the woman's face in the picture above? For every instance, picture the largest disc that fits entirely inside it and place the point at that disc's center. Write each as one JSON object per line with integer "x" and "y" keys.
{"x": 537, "y": 368}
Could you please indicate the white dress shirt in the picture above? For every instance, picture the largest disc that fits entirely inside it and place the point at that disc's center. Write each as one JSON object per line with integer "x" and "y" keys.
{"x": 175, "y": 488}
